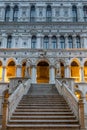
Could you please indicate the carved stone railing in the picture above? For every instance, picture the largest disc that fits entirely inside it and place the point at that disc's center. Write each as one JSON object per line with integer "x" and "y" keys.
{"x": 11, "y": 103}
{"x": 75, "y": 105}
{"x": 17, "y": 95}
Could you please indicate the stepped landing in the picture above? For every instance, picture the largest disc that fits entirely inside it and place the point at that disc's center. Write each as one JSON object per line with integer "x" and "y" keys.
{"x": 42, "y": 108}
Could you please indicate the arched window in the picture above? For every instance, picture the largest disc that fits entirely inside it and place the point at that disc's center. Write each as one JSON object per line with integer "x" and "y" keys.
{"x": 49, "y": 14}
{"x": 70, "y": 41}
{"x": 32, "y": 13}
{"x": 10, "y": 70}
{"x": 7, "y": 13}
{"x": 78, "y": 44}
{"x": 9, "y": 41}
{"x": 85, "y": 13}
{"x": 54, "y": 42}
{"x": 46, "y": 42}
{"x": 15, "y": 13}
{"x": 74, "y": 13}
{"x": 62, "y": 42}
{"x": 75, "y": 71}
{"x": 33, "y": 42}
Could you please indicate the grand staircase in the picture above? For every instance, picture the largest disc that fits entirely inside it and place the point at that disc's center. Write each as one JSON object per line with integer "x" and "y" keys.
{"x": 42, "y": 108}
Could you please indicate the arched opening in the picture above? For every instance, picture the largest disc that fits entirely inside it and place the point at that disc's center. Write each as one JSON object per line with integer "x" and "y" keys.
{"x": 62, "y": 70}
{"x": 42, "y": 72}
{"x": 85, "y": 71}
{"x": 10, "y": 70}
{"x": 23, "y": 69}
{"x": 1, "y": 69}
{"x": 75, "y": 71}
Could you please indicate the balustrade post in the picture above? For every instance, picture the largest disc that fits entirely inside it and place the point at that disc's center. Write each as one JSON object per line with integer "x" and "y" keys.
{"x": 5, "y": 110}
{"x": 81, "y": 114}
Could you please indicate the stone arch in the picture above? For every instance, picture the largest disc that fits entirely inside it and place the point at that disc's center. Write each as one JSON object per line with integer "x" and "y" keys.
{"x": 10, "y": 69}
{"x": 42, "y": 71}
{"x": 75, "y": 70}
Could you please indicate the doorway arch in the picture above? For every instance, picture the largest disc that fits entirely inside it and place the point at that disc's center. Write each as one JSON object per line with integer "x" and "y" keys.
{"x": 42, "y": 72}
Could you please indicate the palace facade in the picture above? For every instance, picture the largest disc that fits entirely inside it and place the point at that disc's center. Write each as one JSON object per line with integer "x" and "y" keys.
{"x": 44, "y": 39}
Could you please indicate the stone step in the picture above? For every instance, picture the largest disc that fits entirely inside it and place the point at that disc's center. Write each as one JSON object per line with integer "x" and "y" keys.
{"x": 43, "y": 110}
{"x": 42, "y": 106}
{"x": 43, "y": 127}
{"x": 38, "y": 104}
{"x": 43, "y": 113}
{"x": 43, "y": 121}
{"x": 42, "y": 117}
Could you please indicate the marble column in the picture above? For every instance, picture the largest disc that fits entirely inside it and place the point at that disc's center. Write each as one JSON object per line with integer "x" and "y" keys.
{"x": 3, "y": 73}
{"x": 58, "y": 41}
{"x": 18, "y": 71}
{"x": 4, "y": 41}
{"x": 38, "y": 42}
{"x": 33, "y": 74}
{"x": 67, "y": 71}
{"x": 82, "y": 73}
{"x": 11, "y": 14}
{"x": 3, "y": 14}
{"x": 50, "y": 42}
{"x": 74, "y": 41}
{"x": 66, "y": 41}
{"x": 52, "y": 74}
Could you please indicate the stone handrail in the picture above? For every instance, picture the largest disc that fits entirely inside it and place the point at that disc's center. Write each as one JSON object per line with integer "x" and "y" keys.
{"x": 69, "y": 97}
{"x": 14, "y": 99}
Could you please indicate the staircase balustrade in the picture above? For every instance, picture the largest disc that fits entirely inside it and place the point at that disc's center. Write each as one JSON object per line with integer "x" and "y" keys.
{"x": 14, "y": 99}
{"x": 76, "y": 105}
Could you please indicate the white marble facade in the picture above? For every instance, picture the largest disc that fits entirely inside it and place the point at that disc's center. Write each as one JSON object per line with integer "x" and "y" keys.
{"x": 43, "y": 30}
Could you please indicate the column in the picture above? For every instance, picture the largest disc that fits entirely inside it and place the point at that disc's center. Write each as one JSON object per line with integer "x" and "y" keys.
{"x": 29, "y": 41}
{"x": 44, "y": 13}
{"x": 38, "y": 42}
{"x": 3, "y": 14}
{"x": 74, "y": 41}
{"x": 50, "y": 45}
{"x": 82, "y": 41}
{"x": 13, "y": 42}
{"x": 66, "y": 41}
{"x": 3, "y": 73}
{"x": 18, "y": 71}
{"x": 70, "y": 13}
{"x": 58, "y": 41}
{"x": 67, "y": 71}
{"x": 80, "y": 13}
{"x": 53, "y": 14}
{"x": 82, "y": 73}
{"x": 52, "y": 74}
{"x": 33, "y": 74}
{"x": 11, "y": 14}
{"x": 4, "y": 41}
